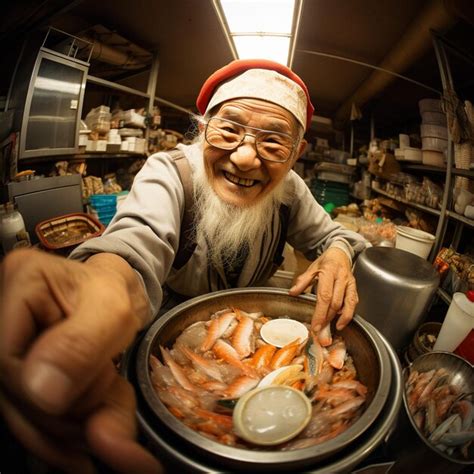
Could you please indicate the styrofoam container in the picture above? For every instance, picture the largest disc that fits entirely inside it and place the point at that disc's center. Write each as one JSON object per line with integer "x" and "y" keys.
{"x": 429, "y": 105}
{"x": 414, "y": 241}
{"x": 412, "y": 154}
{"x": 431, "y": 130}
{"x": 434, "y": 143}
{"x": 433, "y": 158}
{"x": 435, "y": 118}
{"x": 404, "y": 140}
{"x": 399, "y": 154}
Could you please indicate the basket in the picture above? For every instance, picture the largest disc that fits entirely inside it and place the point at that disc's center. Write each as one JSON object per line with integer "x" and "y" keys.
{"x": 67, "y": 231}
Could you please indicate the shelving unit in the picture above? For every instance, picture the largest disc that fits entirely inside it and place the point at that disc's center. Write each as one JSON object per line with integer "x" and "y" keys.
{"x": 452, "y": 229}
{"x": 408, "y": 203}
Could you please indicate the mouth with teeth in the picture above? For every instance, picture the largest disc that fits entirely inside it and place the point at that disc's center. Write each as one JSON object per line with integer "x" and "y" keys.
{"x": 246, "y": 183}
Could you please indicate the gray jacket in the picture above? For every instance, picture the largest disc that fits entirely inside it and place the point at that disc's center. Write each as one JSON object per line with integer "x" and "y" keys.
{"x": 146, "y": 230}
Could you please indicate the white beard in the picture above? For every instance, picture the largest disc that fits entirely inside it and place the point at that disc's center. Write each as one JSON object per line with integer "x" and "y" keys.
{"x": 226, "y": 228}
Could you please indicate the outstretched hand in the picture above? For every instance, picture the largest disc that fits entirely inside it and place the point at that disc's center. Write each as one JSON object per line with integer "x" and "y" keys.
{"x": 61, "y": 323}
{"x": 336, "y": 288}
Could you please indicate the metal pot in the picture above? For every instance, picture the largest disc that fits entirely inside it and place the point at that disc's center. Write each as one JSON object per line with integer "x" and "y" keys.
{"x": 178, "y": 443}
{"x": 395, "y": 289}
{"x": 412, "y": 451}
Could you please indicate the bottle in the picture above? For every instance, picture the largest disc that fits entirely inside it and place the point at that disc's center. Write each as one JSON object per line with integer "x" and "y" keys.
{"x": 12, "y": 230}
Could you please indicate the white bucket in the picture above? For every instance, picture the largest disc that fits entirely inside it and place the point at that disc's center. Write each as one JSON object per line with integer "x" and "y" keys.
{"x": 414, "y": 241}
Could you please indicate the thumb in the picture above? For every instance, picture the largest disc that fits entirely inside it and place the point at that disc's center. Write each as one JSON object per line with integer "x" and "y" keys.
{"x": 67, "y": 357}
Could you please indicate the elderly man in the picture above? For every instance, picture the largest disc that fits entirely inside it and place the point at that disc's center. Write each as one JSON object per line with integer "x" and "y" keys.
{"x": 210, "y": 216}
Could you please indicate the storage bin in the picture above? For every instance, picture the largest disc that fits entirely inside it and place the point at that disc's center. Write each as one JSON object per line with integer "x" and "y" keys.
{"x": 412, "y": 154}
{"x": 463, "y": 155}
{"x": 431, "y": 130}
{"x": 433, "y": 158}
{"x": 404, "y": 141}
{"x": 434, "y": 143}
{"x": 429, "y": 105}
{"x": 66, "y": 232}
{"x": 435, "y": 118}
{"x": 414, "y": 241}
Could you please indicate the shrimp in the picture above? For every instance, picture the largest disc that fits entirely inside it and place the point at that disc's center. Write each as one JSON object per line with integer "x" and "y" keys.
{"x": 429, "y": 387}
{"x": 262, "y": 357}
{"x": 337, "y": 354}
{"x": 285, "y": 355}
{"x": 324, "y": 336}
{"x": 203, "y": 365}
{"x": 240, "y": 386}
{"x": 226, "y": 352}
{"x": 242, "y": 336}
{"x": 355, "y": 385}
{"x": 218, "y": 326}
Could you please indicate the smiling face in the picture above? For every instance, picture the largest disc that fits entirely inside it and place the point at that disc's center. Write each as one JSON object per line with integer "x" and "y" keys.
{"x": 239, "y": 177}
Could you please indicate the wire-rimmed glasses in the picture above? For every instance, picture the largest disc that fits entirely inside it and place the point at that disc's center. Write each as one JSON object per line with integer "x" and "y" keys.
{"x": 229, "y": 135}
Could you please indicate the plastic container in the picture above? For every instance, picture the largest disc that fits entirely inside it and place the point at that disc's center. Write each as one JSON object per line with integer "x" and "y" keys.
{"x": 404, "y": 140}
{"x": 414, "y": 241}
{"x": 435, "y": 118}
{"x": 12, "y": 229}
{"x": 429, "y": 105}
{"x": 466, "y": 348}
{"x": 98, "y": 119}
{"x": 271, "y": 415}
{"x": 458, "y": 323}
{"x": 424, "y": 339}
{"x": 433, "y": 158}
{"x": 431, "y": 130}
{"x": 434, "y": 143}
{"x": 65, "y": 232}
{"x": 469, "y": 212}
{"x": 412, "y": 154}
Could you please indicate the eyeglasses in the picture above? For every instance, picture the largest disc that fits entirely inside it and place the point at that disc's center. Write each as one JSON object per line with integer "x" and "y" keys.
{"x": 229, "y": 135}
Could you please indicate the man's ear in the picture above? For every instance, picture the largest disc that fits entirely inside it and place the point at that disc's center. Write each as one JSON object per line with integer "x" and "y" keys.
{"x": 300, "y": 151}
{"x": 302, "y": 147}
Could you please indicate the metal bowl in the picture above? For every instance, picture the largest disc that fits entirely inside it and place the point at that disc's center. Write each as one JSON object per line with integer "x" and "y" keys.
{"x": 461, "y": 376}
{"x": 363, "y": 343}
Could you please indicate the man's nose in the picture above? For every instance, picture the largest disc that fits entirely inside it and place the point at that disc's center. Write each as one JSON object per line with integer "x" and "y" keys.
{"x": 245, "y": 156}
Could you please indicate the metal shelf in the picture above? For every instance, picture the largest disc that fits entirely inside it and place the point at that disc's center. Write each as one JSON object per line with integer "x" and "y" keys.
{"x": 408, "y": 203}
{"x": 451, "y": 214}
{"x": 435, "y": 169}
{"x": 99, "y": 155}
{"x": 458, "y": 217}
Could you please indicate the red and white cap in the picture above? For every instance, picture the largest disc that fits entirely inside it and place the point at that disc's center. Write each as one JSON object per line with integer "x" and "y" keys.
{"x": 258, "y": 79}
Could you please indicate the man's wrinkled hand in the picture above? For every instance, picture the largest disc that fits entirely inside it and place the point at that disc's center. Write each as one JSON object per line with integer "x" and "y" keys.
{"x": 61, "y": 323}
{"x": 336, "y": 288}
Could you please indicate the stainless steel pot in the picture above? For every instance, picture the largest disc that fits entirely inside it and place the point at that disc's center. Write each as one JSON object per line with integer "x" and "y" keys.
{"x": 171, "y": 438}
{"x": 395, "y": 289}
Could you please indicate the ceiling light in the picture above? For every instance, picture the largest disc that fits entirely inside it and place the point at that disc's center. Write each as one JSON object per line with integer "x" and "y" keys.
{"x": 260, "y": 28}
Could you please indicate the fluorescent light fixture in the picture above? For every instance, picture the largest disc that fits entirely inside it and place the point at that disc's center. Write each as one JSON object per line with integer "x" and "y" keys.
{"x": 260, "y": 28}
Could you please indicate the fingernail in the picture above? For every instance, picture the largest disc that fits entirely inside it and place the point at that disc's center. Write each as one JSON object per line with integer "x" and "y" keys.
{"x": 48, "y": 386}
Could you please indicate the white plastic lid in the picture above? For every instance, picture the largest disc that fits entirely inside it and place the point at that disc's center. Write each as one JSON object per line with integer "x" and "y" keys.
{"x": 271, "y": 415}
{"x": 282, "y": 331}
